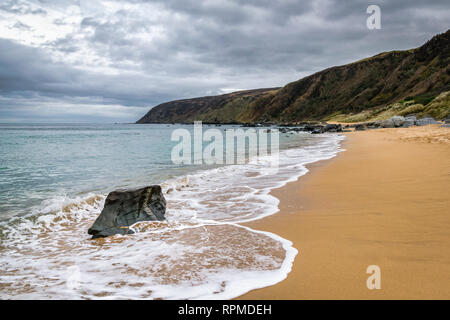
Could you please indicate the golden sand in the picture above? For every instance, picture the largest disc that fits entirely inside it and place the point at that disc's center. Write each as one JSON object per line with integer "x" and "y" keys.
{"x": 385, "y": 201}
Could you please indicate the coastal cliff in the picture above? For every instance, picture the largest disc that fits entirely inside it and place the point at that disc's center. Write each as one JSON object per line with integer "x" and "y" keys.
{"x": 231, "y": 107}
{"x": 415, "y": 76}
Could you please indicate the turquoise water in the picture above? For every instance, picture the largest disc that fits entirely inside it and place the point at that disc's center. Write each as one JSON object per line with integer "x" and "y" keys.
{"x": 42, "y": 161}
{"x": 39, "y": 162}
{"x": 53, "y": 183}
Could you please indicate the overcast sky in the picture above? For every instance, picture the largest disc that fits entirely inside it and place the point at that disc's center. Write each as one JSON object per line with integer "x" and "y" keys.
{"x": 110, "y": 61}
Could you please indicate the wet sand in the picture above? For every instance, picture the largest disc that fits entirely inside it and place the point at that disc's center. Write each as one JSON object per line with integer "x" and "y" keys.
{"x": 384, "y": 201}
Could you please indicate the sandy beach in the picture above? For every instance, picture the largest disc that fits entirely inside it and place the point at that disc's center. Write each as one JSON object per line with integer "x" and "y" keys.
{"x": 384, "y": 201}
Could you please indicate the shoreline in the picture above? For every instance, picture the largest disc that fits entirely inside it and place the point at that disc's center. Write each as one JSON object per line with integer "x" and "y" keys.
{"x": 382, "y": 201}
{"x": 315, "y": 216}
{"x": 208, "y": 241}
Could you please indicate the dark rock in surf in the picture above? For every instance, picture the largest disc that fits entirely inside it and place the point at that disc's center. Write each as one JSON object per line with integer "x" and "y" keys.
{"x": 318, "y": 129}
{"x": 333, "y": 128}
{"x": 308, "y": 128}
{"x": 123, "y": 208}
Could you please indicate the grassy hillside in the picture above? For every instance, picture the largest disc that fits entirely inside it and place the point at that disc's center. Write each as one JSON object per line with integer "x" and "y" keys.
{"x": 387, "y": 83}
{"x": 437, "y": 107}
{"x": 224, "y": 108}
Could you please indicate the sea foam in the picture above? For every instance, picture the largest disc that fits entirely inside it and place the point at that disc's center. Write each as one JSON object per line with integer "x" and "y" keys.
{"x": 202, "y": 250}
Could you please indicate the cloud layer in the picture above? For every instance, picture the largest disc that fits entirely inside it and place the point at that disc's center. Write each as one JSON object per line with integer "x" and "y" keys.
{"x": 112, "y": 60}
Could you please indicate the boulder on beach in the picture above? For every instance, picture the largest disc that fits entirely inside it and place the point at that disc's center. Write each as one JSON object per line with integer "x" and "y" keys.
{"x": 389, "y": 123}
{"x": 426, "y": 121}
{"x": 410, "y": 120}
{"x": 123, "y": 208}
{"x": 411, "y": 117}
{"x": 408, "y": 123}
{"x": 394, "y": 122}
{"x": 373, "y": 125}
{"x": 308, "y": 127}
{"x": 398, "y": 121}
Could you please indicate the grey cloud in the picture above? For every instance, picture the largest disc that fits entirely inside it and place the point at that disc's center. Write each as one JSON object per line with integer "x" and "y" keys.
{"x": 21, "y": 7}
{"x": 202, "y": 47}
{"x": 22, "y": 26}
{"x": 59, "y": 22}
{"x": 29, "y": 77}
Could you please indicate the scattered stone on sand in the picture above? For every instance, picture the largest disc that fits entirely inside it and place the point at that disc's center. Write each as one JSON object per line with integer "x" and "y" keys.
{"x": 393, "y": 122}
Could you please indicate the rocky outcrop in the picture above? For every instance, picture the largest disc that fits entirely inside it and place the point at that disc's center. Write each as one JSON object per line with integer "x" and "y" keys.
{"x": 333, "y": 128}
{"x": 394, "y": 122}
{"x": 318, "y": 130}
{"x": 225, "y": 109}
{"x": 426, "y": 121}
{"x": 124, "y": 208}
{"x": 313, "y": 128}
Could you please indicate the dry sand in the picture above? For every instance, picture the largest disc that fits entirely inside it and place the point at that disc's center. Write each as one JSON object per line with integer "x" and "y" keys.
{"x": 385, "y": 201}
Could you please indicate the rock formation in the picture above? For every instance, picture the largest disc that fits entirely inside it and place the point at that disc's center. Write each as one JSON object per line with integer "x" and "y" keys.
{"x": 123, "y": 208}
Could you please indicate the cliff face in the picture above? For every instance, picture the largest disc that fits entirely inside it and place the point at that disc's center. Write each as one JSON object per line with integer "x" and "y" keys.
{"x": 224, "y": 108}
{"x": 377, "y": 81}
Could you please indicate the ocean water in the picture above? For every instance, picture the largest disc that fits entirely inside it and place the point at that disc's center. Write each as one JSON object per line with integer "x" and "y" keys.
{"x": 53, "y": 183}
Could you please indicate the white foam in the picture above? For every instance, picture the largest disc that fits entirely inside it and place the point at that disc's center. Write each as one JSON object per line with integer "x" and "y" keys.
{"x": 200, "y": 252}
